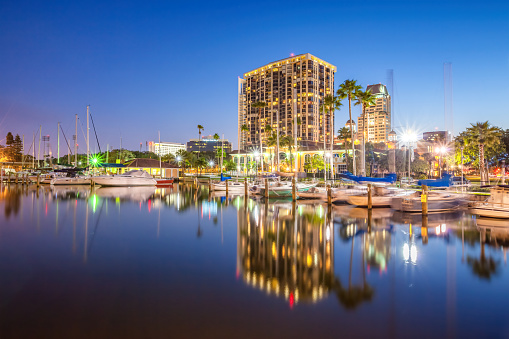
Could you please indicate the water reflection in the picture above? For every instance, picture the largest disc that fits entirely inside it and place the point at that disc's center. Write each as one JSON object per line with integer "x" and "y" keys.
{"x": 286, "y": 251}
{"x": 294, "y": 255}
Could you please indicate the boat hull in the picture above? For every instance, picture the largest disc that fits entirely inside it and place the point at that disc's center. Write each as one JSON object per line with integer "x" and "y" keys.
{"x": 434, "y": 205}
{"x": 121, "y": 182}
{"x": 360, "y": 200}
{"x": 490, "y": 211}
{"x": 70, "y": 181}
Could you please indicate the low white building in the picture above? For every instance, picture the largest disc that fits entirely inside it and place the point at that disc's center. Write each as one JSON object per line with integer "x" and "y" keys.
{"x": 165, "y": 148}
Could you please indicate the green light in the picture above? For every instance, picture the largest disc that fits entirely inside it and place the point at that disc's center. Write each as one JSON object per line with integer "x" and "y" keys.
{"x": 96, "y": 160}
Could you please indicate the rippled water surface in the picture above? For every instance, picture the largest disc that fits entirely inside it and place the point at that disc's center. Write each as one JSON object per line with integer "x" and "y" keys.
{"x": 178, "y": 263}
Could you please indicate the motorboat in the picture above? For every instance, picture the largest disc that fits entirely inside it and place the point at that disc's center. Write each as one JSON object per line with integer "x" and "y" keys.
{"x": 381, "y": 197}
{"x": 78, "y": 180}
{"x": 232, "y": 186}
{"x": 130, "y": 178}
{"x": 281, "y": 189}
{"x": 164, "y": 181}
{"x": 497, "y": 205}
{"x": 437, "y": 201}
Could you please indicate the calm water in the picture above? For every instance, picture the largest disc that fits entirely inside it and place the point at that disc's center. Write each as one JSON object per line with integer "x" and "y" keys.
{"x": 176, "y": 263}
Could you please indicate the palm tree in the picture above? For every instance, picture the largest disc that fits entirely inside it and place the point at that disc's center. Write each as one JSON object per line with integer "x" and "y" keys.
{"x": 287, "y": 141}
{"x": 344, "y": 133}
{"x": 484, "y": 136}
{"x": 260, "y": 105}
{"x": 347, "y": 90}
{"x": 216, "y": 137}
{"x": 243, "y": 128}
{"x": 270, "y": 142}
{"x": 332, "y": 103}
{"x": 484, "y": 267}
{"x": 365, "y": 99}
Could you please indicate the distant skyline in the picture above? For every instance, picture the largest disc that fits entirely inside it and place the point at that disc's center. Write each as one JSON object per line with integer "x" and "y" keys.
{"x": 145, "y": 67}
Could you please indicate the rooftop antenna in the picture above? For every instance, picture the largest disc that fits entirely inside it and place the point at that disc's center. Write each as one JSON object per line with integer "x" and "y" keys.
{"x": 390, "y": 84}
{"x": 448, "y": 109}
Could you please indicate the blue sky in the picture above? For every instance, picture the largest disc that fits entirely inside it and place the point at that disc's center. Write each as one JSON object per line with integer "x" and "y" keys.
{"x": 151, "y": 66}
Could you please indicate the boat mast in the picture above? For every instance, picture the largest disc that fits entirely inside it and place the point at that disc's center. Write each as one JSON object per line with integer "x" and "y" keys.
{"x": 222, "y": 155}
{"x": 76, "y": 144}
{"x": 33, "y": 153}
{"x": 58, "y": 143}
{"x": 39, "y": 151}
{"x": 88, "y": 136}
{"x": 23, "y": 156}
{"x": 160, "y": 171}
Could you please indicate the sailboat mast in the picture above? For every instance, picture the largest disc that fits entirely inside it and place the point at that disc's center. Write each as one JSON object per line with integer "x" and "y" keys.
{"x": 88, "y": 135}
{"x": 76, "y": 144}
{"x": 39, "y": 151}
{"x": 160, "y": 171}
{"x": 222, "y": 140}
{"x": 33, "y": 153}
{"x": 58, "y": 143}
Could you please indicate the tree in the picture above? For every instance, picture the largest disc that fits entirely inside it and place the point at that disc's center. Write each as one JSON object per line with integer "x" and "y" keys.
{"x": 343, "y": 134}
{"x": 332, "y": 103}
{"x": 287, "y": 141}
{"x": 200, "y": 128}
{"x": 230, "y": 165}
{"x": 168, "y": 158}
{"x": 314, "y": 164}
{"x": 260, "y": 105}
{"x": 419, "y": 166}
{"x": 271, "y": 142}
{"x": 364, "y": 99}
{"x": 347, "y": 90}
{"x": 483, "y": 137}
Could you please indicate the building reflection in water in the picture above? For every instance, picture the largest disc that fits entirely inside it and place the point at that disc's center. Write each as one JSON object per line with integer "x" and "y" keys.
{"x": 286, "y": 250}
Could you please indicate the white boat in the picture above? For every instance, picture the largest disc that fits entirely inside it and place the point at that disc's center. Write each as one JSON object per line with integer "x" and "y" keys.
{"x": 437, "y": 202}
{"x": 377, "y": 201}
{"x": 232, "y": 186}
{"x": 131, "y": 178}
{"x": 70, "y": 181}
{"x": 497, "y": 205}
{"x": 381, "y": 197}
{"x": 283, "y": 189}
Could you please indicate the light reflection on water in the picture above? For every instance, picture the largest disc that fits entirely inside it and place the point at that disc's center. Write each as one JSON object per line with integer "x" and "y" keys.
{"x": 150, "y": 262}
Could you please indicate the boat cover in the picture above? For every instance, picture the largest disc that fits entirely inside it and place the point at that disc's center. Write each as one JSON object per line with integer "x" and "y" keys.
{"x": 138, "y": 174}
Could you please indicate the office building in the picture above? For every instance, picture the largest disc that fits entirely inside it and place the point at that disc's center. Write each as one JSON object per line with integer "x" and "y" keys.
{"x": 165, "y": 148}
{"x": 208, "y": 144}
{"x": 376, "y": 124}
{"x": 437, "y": 137}
{"x": 293, "y": 90}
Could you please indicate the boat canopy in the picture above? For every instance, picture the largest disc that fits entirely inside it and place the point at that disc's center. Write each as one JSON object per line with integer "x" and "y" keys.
{"x": 138, "y": 174}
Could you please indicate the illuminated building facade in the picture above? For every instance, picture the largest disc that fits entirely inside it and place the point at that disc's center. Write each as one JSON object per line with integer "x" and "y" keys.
{"x": 208, "y": 144}
{"x": 293, "y": 89}
{"x": 286, "y": 253}
{"x": 376, "y": 125}
{"x": 164, "y": 148}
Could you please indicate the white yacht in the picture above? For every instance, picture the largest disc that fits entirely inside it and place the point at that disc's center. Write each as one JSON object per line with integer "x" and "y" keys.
{"x": 131, "y": 178}
{"x": 232, "y": 186}
{"x": 497, "y": 205}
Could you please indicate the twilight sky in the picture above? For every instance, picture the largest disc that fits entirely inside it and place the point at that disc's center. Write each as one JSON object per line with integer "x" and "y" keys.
{"x": 149, "y": 66}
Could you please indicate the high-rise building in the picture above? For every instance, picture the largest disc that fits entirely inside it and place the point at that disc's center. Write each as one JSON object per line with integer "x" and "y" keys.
{"x": 293, "y": 89}
{"x": 378, "y": 117}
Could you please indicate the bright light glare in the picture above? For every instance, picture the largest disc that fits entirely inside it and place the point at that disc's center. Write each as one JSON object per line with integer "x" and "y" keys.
{"x": 413, "y": 254}
{"x": 256, "y": 153}
{"x": 409, "y": 136}
{"x": 406, "y": 252}
{"x": 211, "y": 163}
{"x": 179, "y": 158}
{"x": 327, "y": 233}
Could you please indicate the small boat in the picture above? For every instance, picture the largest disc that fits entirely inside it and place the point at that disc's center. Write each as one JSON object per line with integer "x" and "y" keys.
{"x": 70, "y": 181}
{"x": 436, "y": 202}
{"x": 130, "y": 178}
{"x": 232, "y": 186}
{"x": 283, "y": 189}
{"x": 164, "y": 181}
{"x": 381, "y": 197}
{"x": 497, "y": 205}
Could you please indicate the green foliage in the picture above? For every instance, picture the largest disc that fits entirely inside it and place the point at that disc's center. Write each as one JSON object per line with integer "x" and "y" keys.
{"x": 230, "y": 165}
{"x": 314, "y": 164}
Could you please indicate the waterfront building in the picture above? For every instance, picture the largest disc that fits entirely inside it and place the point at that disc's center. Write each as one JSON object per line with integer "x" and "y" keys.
{"x": 208, "y": 144}
{"x": 293, "y": 89}
{"x": 153, "y": 167}
{"x": 437, "y": 137}
{"x": 376, "y": 125}
{"x": 246, "y": 159}
{"x": 164, "y": 148}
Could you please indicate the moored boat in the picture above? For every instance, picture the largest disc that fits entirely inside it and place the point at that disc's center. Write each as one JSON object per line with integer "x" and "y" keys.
{"x": 437, "y": 201}
{"x": 130, "y": 178}
{"x": 497, "y": 205}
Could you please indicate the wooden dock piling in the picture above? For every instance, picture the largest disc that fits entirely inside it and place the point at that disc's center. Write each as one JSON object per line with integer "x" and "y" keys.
{"x": 266, "y": 188}
{"x": 370, "y": 197}
{"x": 329, "y": 195}
{"x": 245, "y": 187}
{"x": 294, "y": 190}
{"x": 424, "y": 200}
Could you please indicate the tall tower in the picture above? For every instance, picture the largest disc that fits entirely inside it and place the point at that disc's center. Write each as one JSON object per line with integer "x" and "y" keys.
{"x": 448, "y": 109}
{"x": 376, "y": 125}
{"x": 293, "y": 89}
